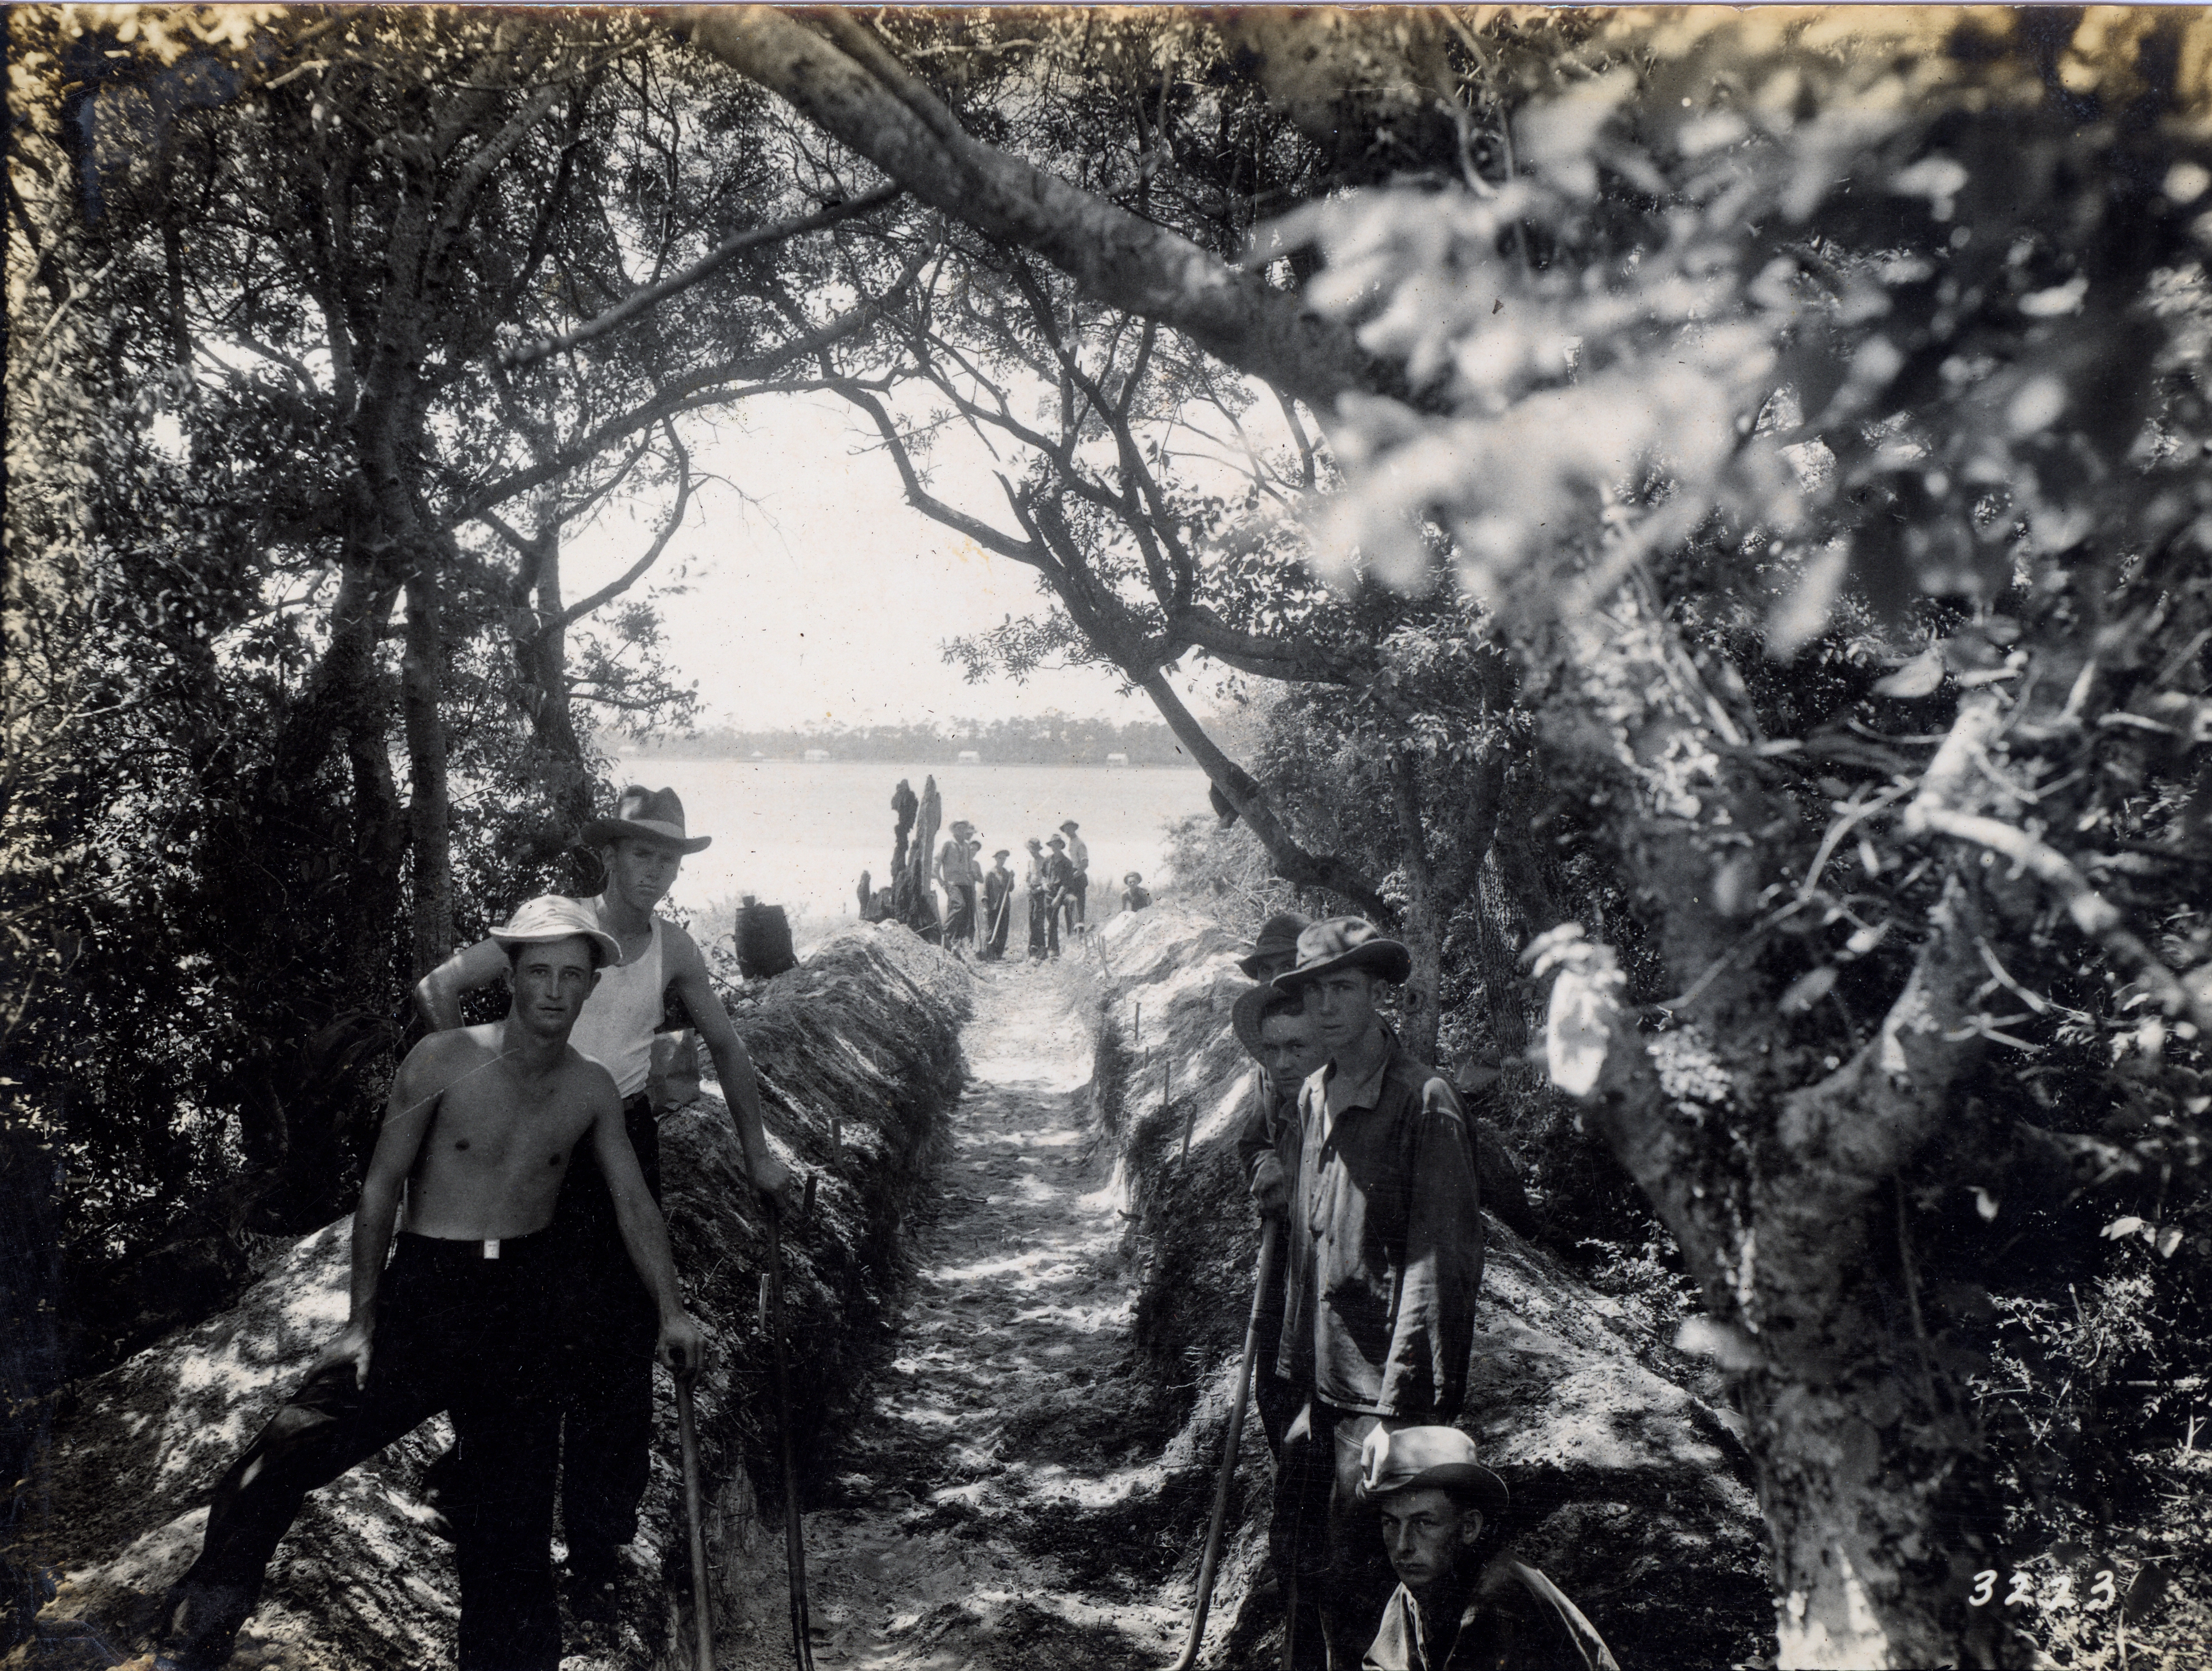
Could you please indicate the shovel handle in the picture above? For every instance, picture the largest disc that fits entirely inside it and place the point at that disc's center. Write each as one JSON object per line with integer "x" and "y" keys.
{"x": 687, "y": 1432}
{"x": 1231, "y": 1435}
{"x": 794, "y": 1544}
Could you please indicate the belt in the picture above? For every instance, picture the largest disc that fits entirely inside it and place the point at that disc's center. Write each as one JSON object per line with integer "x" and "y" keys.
{"x": 454, "y": 1249}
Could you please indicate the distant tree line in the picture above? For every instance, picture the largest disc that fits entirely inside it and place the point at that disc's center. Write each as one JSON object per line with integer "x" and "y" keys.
{"x": 1050, "y": 739}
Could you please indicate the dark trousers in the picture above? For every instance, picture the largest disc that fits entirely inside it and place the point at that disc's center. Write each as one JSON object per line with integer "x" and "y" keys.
{"x": 959, "y": 915}
{"x": 1044, "y": 926}
{"x": 455, "y": 1331}
{"x": 1324, "y": 1535}
{"x": 1002, "y": 919}
{"x": 1074, "y": 902}
{"x": 604, "y": 1374}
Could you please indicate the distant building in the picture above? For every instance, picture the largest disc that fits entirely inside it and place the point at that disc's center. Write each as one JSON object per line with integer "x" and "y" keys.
{"x": 814, "y": 754}
{"x": 969, "y": 758}
{"x": 1117, "y": 760}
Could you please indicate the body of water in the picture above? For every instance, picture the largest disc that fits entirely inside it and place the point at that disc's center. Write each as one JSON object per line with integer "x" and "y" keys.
{"x": 798, "y": 835}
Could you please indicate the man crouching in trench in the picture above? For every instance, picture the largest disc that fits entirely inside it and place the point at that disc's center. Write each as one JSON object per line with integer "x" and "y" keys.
{"x": 479, "y": 1129}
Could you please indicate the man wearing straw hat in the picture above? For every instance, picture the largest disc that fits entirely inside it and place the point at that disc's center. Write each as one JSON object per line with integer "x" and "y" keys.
{"x": 607, "y": 1385}
{"x": 479, "y": 1131}
{"x": 1385, "y": 1257}
{"x": 998, "y": 904}
{"x": 959, "y": 881}
{"x": 1439, "y": 1508}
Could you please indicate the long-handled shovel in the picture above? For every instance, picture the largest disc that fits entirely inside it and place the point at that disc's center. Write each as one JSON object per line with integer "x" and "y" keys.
{"x": 1230, "y": 1437}
{"x": 794, "y": 1547}
{"x": 687, "y": 1432}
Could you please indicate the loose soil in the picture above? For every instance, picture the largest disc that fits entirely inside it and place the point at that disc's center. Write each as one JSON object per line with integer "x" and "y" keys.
{"x": 993, "y": 1504}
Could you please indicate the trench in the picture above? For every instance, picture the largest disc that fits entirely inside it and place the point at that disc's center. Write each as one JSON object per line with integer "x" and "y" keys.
{"x": 991, "y": 1503}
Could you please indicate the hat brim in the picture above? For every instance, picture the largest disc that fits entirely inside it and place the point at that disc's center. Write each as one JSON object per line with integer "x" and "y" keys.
{"x": 607, "y": 943}
{"x": 1470, "y": 1480}
{"x": 1389, "y": 959}
{"x": 602, "y": 831}
{"x": 1244, "y": 1017}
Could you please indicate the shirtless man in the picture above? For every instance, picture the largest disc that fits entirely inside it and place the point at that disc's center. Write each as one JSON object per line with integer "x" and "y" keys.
{"x": 478, "y": 1132}
{"x": 606, "y": 1384}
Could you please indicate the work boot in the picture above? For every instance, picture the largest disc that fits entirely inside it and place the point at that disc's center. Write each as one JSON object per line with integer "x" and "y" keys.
{"x": 200, "y": 1623}
{"x": 593, "y": 1583}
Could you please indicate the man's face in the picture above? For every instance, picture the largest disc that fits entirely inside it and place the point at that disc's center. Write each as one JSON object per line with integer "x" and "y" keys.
{"x": 1290, "y": 1047}
{"x": 641, "y": 874}
{"x": 551, "y": 980}
{"x": 1423, "y": 1533}
{"x": 1342, "y": 1004}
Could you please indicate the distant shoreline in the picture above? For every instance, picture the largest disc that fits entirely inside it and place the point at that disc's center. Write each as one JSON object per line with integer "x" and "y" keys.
{"x": 866, "y": 760}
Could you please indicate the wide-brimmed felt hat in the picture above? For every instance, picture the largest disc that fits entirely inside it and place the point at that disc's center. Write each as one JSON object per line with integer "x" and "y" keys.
{"x": 1003, "y": 852}
{"x": 646, "y": 815}
{"x": 961, "y": 827}
{"x": 1336, "y": 943}
{"x": 557, "y": 917}
{"x": 1430, "y": 1459}
{"x": 1133, "y": 877}
{"x": 1055, "y": 842}
{"x": 1033, "y": 844}
{"x": 1247, "y": 1015}
{"x": 1278, "y": 938}
{"x": 1069, "y": 823}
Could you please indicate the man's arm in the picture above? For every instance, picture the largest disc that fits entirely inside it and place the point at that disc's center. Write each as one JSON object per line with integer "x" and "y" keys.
{"x": 438, "y": 994}
{"x": 413, "y": 1104}
{"x": 1255, "y": 1149}
{"x": 733, "y": 1067}
{"x": 644, "y": 1231}
{"x": 1426, "y": 1370}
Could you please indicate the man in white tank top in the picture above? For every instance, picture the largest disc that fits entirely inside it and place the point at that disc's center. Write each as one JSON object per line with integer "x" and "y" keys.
{"x": 608, "y": 1414}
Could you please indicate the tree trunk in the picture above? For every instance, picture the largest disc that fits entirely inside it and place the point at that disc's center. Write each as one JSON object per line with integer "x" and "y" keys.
{"x": 1292, "y": 862}
{"x": 1422, "y": 928}
{"x": 421, "y": 680}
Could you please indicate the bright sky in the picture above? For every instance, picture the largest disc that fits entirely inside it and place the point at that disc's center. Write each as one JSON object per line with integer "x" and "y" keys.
{"x": 817, "y": 596}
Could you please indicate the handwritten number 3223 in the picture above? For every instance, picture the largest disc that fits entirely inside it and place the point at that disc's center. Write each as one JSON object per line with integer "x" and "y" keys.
{"x": 2102, "y": 1593}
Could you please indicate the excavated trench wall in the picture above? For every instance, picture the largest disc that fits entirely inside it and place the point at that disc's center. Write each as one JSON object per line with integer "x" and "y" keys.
{"x": 1631, "y": 1489}
{"x": 865, "y": 1033}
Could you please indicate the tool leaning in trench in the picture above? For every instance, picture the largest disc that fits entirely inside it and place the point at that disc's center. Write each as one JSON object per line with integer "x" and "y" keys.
{"x": 794, "y": 1547}
{"x": 1230, "y": 1438}
{"x": 687, "y": 1433}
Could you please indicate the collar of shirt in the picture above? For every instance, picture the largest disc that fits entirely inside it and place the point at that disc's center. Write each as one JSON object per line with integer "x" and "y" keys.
{"x": 1340, "y": 1095}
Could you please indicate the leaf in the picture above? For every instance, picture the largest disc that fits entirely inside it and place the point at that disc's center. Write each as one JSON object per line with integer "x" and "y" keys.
{"x": 2144, "y": 1594}
{"x": 1731, "y": 1348}
{"x": 2168, "y": 1240}
{"x": 1808, "y": 989}
{"x": 2120, "y": 1227}
{"x": 1584, "y": 1018}
{"x": 1918, "y": 677}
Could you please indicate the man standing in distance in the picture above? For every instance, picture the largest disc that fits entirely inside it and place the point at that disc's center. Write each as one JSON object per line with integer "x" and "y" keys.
{"x": 479, "y": 1130}
{"x": 1059, "y": 886}
{"x": 1078, "y": 885}
{"x": 1385, "y": 1258}
{"x": 608, "y": 1393}
{"x": 1044, "y": 921}
{"x": 998, "y": 904}
{"x": 953, "y": 871}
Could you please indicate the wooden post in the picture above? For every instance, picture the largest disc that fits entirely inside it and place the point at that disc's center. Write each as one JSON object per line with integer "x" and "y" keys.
{"x": 1190, "y": 1113}
{"x": 1137, "y": 1030}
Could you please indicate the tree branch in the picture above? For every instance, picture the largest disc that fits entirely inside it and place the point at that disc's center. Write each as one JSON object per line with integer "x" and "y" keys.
{"x": 1115, "y": 257}
{"x": 639, "y": 301}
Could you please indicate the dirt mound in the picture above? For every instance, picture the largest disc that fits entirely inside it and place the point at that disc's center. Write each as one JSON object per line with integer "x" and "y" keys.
{"x": 865, "y": 1032}
{"x": 1630, "y": 1489}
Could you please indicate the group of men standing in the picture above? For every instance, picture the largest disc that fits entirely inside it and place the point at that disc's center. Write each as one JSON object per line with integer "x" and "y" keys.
{"x": 1364, "y": 1158}
{"x": 980, "y": 903}
{"x": 510, "y": 1266}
